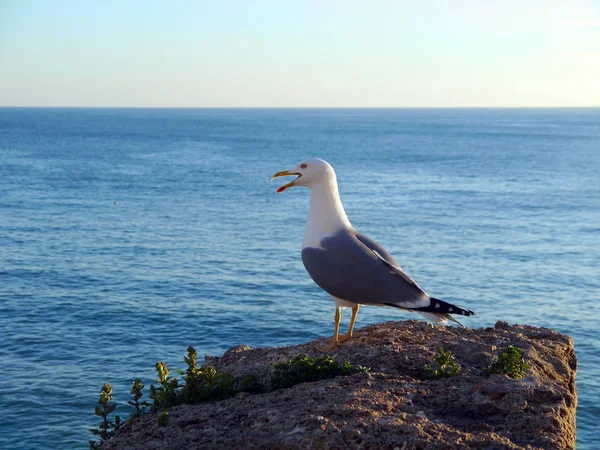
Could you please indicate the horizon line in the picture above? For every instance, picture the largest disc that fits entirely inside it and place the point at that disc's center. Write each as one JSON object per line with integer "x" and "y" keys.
{"x": 290, "y": 107}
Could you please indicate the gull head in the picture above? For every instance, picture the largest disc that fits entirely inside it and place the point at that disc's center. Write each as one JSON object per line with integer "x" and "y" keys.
{"x": 308, "y": 173}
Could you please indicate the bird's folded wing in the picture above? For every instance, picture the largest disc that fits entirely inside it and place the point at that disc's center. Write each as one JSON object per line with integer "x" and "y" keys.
{"x": 349, "y": 269}
{"x": 397, "y": 270}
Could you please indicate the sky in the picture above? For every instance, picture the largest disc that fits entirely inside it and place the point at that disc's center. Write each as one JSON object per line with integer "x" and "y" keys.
{"x": 305, "y": 53}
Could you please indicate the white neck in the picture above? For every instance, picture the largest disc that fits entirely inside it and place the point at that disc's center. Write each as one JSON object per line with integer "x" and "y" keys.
{"x": 326, "y": 213}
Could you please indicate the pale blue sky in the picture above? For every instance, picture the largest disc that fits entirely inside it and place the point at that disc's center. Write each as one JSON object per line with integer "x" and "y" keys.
{"x": 300, "y": 53}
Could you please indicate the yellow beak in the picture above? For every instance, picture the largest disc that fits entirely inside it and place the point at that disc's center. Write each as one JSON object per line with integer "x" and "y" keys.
{"x": 285, "y": 173}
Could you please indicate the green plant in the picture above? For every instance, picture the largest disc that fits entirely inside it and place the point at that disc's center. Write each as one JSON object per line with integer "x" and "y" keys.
{"x": 191, "y": 377}
{"x": 250, "y": 384}
{"x": 164, "y": 395}
{"x": 220, "y": 385}
{"x": 442, "y": 366}
{"x": 306, "y": 369}
{"x": 205, "y": 384}
{"x": 163, "y": 419}
{"x": 107, "y": 427}
{"x": 201, "y": 384}
{"x": 510, "y": 362}
{"x": 136, "y": 395}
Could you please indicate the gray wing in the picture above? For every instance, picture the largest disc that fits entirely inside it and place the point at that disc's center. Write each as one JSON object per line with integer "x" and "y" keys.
{"x": 388, "y": 259}
{"x": 352, "y": 267}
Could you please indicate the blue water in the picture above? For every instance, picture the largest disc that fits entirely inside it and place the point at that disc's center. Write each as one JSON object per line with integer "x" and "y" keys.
{"x": 128, "y": 234}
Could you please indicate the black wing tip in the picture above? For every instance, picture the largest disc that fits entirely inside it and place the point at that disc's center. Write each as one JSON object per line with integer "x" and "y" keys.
{"x": 466, "y": 313}
{"x": 440, "y": 306}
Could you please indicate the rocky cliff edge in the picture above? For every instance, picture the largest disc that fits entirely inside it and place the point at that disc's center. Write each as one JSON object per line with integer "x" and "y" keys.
{"x": 393, "y": 406}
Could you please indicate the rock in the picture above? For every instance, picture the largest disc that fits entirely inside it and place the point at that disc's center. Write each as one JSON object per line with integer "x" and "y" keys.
{"x": 237, "y": 349}
{"x": 501, "y": 325}
{"x": 393, "y": 406}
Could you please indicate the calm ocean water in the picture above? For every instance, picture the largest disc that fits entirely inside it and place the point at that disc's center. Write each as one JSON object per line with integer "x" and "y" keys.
{"x": 128, "y": 234}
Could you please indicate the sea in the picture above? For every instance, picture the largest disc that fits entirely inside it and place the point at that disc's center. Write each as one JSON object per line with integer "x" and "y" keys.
{"x": 127, "y": 235}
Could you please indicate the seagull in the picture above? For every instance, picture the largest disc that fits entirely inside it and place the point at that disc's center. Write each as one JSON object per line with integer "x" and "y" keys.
{"x": 351, "y": 267}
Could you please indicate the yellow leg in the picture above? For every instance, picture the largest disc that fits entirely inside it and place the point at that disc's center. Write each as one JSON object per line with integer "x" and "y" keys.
{"x": 348, "y": 335}
{"x": 335, "y": 341}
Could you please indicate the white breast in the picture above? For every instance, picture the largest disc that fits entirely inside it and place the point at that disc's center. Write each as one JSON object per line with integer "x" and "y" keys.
{"x": 326, "y": 214}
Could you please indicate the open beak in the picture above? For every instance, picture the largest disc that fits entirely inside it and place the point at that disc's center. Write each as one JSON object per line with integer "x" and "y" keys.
{"x": 286, "y": 173}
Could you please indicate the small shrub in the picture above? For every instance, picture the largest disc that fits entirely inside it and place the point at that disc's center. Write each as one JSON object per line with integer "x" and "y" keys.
{"x": 163, "y": 419}
{"x": 510, "y": 362}
{"x": 164, "y": 395}
{"x": 191, "y": 377}
{"x": 201, "y": 384}
{"x": 442, "y": 366}
{"x": 205, "y": 384}
{"x": 222, "y": 385}
{"x": 107, "y": 427}
{"x": 250, "y": 384}
{"x": 305, "y": 369}
{"x": 136, "y": 394}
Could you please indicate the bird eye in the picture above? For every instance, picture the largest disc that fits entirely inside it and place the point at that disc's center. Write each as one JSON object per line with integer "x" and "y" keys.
{"x": 303, "y": 166}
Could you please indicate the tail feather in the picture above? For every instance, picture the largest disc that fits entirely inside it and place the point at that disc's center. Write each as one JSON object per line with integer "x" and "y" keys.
{"x": 439, "y": 311}
{"x": 438, "y": 306}
{"x": 439, "y": 318}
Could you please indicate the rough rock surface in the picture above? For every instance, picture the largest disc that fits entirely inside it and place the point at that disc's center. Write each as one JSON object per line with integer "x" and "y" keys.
{"x": 393, "y": 406}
